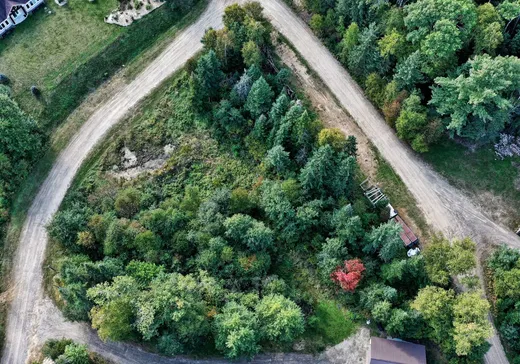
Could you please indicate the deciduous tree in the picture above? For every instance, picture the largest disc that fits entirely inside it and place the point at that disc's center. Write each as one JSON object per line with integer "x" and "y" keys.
{"x": 479, "y": 101}
{"x": 280, "y": 318}
{"x": 236, "y": 331}
{"x": 350, "y": 275}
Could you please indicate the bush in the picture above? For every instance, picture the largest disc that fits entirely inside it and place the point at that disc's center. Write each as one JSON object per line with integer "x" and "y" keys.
{"x": 54, "y": 348}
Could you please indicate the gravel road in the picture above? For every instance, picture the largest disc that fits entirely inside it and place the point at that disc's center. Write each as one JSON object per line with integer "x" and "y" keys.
{"x": 33, "y": 318}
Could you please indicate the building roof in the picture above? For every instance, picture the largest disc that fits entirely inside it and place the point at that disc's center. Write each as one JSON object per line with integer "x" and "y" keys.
{"x": 7, "y": 5}
{"x": 407, "y": 235}
{"x": 383, "y": 351}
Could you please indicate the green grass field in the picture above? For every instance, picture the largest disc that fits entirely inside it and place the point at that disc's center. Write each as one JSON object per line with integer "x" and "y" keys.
{"x": 70, "y": 52}
{"x": 48, "y": 46}
{"x": 479, "y": 172}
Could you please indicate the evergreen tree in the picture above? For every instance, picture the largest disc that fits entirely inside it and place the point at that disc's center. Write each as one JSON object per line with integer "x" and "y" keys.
{"x": 207, "y": 78}
{"x": 260, "y": 98}
{"x": 365, "y": 57}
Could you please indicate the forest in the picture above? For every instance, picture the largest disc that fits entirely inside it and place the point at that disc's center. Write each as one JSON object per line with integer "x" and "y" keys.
{"x": 253, "y": 234}
{"x": 433, "y": 67}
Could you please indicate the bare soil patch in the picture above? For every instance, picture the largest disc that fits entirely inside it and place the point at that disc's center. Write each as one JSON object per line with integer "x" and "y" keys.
{"x": 132, "y": 10}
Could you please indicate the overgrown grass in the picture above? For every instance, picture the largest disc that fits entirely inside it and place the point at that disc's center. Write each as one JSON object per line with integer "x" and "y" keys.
{"x": 478, "y": 172}
{"x": 71, "y": 52}
{"x": 399, "y": 196}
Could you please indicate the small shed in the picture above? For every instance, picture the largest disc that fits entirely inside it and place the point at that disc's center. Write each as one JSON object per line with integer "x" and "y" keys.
{"x": 384, "y": 351}
{"x": 407, "y": 235}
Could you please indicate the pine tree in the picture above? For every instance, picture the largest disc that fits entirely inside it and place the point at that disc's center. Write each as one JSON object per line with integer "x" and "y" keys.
{"x": 260, "y": 98}
{"x": 207, "y": 79}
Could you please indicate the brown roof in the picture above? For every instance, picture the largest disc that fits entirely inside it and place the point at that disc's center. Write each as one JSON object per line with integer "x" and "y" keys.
{"x": 383, "y": 351}
{"x": 6, "y": 5}
{"x": 407, "y": 235}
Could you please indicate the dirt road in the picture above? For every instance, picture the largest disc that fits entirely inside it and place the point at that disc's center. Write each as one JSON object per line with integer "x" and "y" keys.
{"x": 33, "y": 318}
{"x": 25, "y": 314}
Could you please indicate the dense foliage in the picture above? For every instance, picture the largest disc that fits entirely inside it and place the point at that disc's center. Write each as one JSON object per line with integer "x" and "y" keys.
{"x": 66, "y": 351}
{"x": 254, "y": 234}
{"x": 20, "y": 145}
{"x": 504, "y": 265}
{"x": 430, "y": 65}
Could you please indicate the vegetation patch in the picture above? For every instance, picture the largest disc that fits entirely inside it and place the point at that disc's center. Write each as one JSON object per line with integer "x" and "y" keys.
{"x": 52, "y": 43}
{"x": 430, "y": 66}
{"x": 332, "y": 322}
{"x": 71, "y": 90}
{"x": 503, "y": 267}
{"x": 480, "y": 172}
{"x": 23, "y": 140}
{"x": 427, "y": 64}
{"x": 66, "y": 351}
{"x": 254, "y": 235}
{"x": 66, "y": 64}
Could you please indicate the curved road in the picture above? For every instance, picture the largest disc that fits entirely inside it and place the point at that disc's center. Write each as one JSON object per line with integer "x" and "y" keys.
{"x": 33, "y": 318}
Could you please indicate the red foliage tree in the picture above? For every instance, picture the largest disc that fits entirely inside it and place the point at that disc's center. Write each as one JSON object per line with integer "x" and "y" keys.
{"x": 348, "y": 277}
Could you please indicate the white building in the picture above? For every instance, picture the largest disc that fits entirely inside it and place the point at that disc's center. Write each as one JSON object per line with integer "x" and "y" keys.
{"x": 13, "y": 12}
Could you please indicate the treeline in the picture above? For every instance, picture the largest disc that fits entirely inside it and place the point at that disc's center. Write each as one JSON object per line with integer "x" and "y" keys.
{"x": 21, "y": 142}
{"x": 232, "y": 246}
{"x": 431, "y": 66}
{"x": 504, "y": 265}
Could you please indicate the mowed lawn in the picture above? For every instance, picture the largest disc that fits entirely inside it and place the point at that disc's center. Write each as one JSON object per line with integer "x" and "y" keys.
{"x": 52, "y": 42}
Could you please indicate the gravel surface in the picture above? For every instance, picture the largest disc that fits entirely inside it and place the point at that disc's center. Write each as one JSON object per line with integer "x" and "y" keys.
{"x": 33, "y": 318}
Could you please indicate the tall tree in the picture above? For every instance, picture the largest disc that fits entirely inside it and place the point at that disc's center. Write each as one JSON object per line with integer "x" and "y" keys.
{"x": 349, "y": 41}
{"x": 280, "y": 318}
{"x": 472, "y": 327}
{"x": 421, "y": 17}
{"x": 488, "y": 32}
{"x": 207, "y": 78}
{"x": 408, "y": 73}
{"x": 439, "y": 48}
{"x": 480, "y": 100}
{"x": 436, "y": 307}
{"x": 349, "y": 276}
{"x": 365, "y": 57}
{"x": 412, "y": 122}
{"x": 113, "y": 314}
{"x": 236, "y": 331}
{"x": 173, "y": 304}
{"x": 260, "y": 98}
{"x": 385, "y": 239}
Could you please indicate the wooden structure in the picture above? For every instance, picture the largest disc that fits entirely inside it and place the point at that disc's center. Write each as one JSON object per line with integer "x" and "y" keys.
{"x": 373, "y": 193}
{"x": 375, "y": 196}
{"x": 407, "y": 235}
